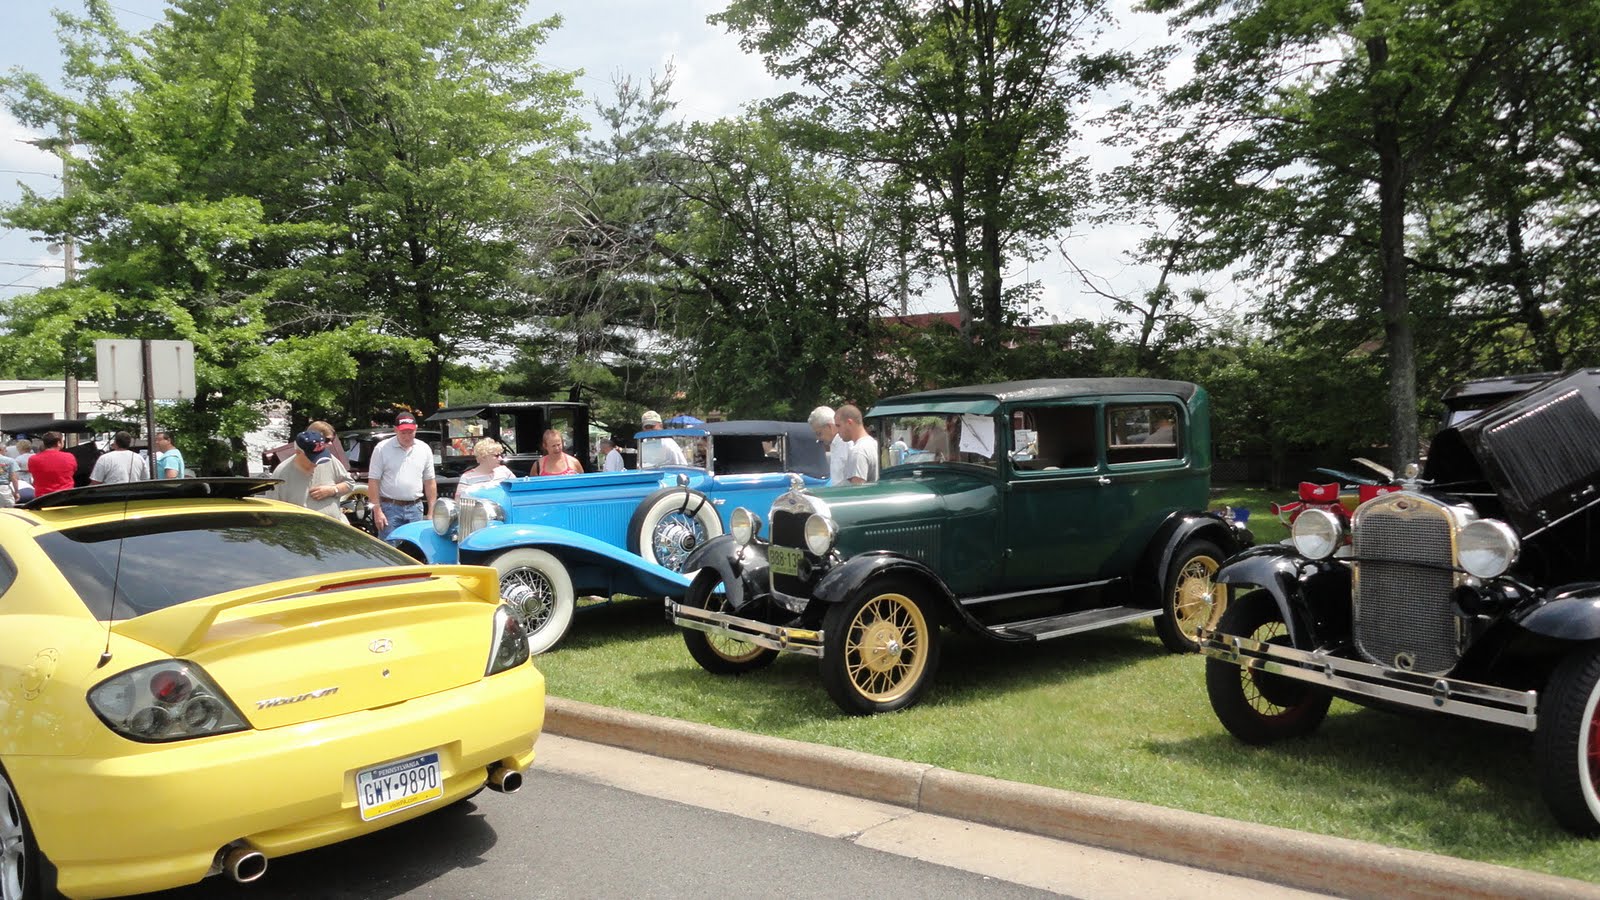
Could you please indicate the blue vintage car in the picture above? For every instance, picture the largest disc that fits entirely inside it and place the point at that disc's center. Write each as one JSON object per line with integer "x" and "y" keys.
{"x": 556, "y": 538}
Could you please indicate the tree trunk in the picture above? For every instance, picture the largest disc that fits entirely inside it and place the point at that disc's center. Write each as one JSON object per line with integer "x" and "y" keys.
{"x": 1404, "y": 446}
{"x": 1529, "y": 310}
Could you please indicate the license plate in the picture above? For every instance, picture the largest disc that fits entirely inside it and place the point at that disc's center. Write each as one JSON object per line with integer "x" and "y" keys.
{"x": 784, "y": 560}
{"x": 398, "y": 785}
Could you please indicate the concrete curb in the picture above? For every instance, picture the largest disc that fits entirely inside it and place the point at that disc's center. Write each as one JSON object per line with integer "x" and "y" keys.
{"x": 1279, "y": 855}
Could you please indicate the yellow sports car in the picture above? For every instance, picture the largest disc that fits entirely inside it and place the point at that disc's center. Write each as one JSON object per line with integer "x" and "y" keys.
{"x": 194, "y": 680}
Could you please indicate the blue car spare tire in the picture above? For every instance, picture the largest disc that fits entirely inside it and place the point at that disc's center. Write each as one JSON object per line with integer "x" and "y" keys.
{"x": 670, "y": 524}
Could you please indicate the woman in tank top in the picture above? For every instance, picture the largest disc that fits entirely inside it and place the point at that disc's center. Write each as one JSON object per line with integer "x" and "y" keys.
{"x": 556, "y": 460}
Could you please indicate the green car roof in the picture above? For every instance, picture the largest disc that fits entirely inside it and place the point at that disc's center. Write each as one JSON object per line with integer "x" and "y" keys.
{"x": 986, "y": 398}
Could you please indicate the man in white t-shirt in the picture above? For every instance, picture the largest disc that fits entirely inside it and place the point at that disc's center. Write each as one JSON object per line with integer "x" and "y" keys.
{"x": 400, "y": 477}
{"x": 121, "y": 464}
{"x": 824, "y": 427}
{"x": 862, "y": 465}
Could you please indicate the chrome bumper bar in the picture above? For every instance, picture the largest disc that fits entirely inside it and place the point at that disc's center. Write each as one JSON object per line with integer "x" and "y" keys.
{"x": 1486, "y": 703}
{"x": 774, "y": 637}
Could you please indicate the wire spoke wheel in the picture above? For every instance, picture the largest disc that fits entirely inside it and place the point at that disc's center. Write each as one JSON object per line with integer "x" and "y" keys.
{"x": 1191, "y": 600}
{"x": 880, "y": 646}
{"x": 530, "y": 595}
{"x": 720, "y": 654}
{"x": 1260, "y": 707}
{"x": 675, "y": 536}
{"x": 1196, "y": 596}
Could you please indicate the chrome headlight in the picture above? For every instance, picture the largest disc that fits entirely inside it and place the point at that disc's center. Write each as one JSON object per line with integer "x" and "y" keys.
{"x": 1488, "y": 547}
{"x": 1317, "y": 533}
{"x": 820, "y": 535}
{"x": 744, "y": 525}
{"x": 478, "y": 514}
{"x": 444, "y": 515}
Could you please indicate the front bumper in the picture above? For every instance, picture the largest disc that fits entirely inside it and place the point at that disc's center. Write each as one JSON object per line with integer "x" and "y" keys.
{"x": 804, "y": 641}
{"x": 1485, "y": 703}
{"x": 165, "y": 810}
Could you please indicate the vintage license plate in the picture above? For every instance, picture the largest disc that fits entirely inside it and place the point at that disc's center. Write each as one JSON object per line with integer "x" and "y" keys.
{"x": 398, "y": 785}
{"x": 784, "y": 560}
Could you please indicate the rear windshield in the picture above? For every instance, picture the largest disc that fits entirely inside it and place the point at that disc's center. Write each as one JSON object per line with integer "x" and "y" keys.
{"x": 160, "y": 562}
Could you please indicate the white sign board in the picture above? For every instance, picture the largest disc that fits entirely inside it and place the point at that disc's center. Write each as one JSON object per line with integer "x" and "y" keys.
{"x": 119, "y": 364}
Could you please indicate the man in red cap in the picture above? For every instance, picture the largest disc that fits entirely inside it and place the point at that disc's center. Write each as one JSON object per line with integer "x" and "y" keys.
{"x": 400, "y": 478}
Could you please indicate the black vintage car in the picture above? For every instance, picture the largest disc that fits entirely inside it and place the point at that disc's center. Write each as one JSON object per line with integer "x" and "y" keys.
{"x": 519, "y": 425}
{"x": 1474, "y": 592}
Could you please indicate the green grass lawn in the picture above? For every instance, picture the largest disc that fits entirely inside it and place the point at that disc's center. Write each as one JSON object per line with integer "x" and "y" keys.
{"x": 1110, "y": 713}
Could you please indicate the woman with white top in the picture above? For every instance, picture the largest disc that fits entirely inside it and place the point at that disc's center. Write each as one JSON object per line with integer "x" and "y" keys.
{"x": 489, "y": 471}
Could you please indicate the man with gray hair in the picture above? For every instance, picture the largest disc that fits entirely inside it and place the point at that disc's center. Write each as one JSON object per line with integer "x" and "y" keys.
{"x": 822, "y": 425}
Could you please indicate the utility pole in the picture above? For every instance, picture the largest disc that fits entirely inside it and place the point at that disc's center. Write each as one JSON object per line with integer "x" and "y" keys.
{"x": 62, "y": 147}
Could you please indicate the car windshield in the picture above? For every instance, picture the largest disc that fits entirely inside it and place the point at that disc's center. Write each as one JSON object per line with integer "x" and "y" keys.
{"x": 656, "y": 452}
{"x": 934, "y": 438}
{"x": 162, "y": 561}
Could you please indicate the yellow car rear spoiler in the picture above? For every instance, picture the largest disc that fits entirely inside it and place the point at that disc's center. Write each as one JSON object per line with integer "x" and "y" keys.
{"x": 180, "y": 629}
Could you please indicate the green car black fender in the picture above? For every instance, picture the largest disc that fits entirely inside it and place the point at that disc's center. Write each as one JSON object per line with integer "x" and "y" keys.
{"x": 842, "y": 580}
{"x": 743, "y": 569}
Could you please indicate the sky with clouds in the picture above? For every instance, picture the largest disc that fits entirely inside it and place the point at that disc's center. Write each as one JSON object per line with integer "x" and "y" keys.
{"x": 604, "y": 39}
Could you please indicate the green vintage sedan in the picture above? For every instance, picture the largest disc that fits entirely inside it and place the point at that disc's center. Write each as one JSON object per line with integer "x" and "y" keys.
{"x": 1022, "y": 512}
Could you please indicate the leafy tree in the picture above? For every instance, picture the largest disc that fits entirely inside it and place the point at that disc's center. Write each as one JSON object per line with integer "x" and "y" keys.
{"x": 315, "y": 192}
{"x": 781, "y": 270}
{"x": 966, "y": 106}
{"x": 165, "y": 237}
{"x": 594, "y": 262}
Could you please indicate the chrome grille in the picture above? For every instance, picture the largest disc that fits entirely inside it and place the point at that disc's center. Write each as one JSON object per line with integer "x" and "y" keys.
{"x": 788, "y": 529}
{"x": 1404, "y": 546}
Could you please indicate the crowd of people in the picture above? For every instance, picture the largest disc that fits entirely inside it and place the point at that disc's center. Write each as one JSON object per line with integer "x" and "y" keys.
{"x": 400, "y": 479}
{"x": 34, "y": 467}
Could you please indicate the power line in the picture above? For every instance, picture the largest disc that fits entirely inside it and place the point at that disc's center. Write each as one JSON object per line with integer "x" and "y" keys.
{"x": 29, "y": 172}
{"x": 133, "y": 13}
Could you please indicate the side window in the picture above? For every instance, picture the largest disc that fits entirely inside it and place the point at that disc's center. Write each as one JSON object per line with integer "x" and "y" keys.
{"x": 560, "y": 420}
{"x": 8, "y": 573}
{"x": 1143, "y": 433}
{"x": 1046, "y": 438}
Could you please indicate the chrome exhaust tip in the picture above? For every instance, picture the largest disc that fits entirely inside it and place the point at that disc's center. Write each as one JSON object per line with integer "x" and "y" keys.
{"x": 244, "y": 864}
{"x": 504, "y": 780}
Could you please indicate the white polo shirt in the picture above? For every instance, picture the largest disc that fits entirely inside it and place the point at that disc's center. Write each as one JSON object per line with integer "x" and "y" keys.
{"x": 400, "y": 472}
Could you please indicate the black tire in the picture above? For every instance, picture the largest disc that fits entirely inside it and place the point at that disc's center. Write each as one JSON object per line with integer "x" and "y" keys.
{"x": 880, "y": 647}
{"x": 717, "y": 654}
{"x": 539, "y": 591}
{"x": 1258, "y": 707}
{"x": 25, "y": 873}
{"x": 1568, "y": 742}
{"x": 670, "y": 524}
{"x": 1190, "y": 599}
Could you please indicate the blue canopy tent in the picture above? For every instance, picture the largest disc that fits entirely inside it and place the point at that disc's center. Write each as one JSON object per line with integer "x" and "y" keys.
{"x": 685, "y": 420}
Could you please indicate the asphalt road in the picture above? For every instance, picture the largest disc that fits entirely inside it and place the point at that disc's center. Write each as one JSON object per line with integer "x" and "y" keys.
{"x": 596, "y": 821}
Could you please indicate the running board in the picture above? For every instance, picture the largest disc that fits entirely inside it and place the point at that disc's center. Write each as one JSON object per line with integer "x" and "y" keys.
{"x": 1072, "y": 623}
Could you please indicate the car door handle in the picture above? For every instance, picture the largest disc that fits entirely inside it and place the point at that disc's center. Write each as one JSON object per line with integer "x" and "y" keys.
{"x": 1103, "y": 480}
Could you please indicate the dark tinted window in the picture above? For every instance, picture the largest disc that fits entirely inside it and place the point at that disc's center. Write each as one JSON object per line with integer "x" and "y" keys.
{"x": 8, "y": 573}
{"x": 160, "y": 562}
